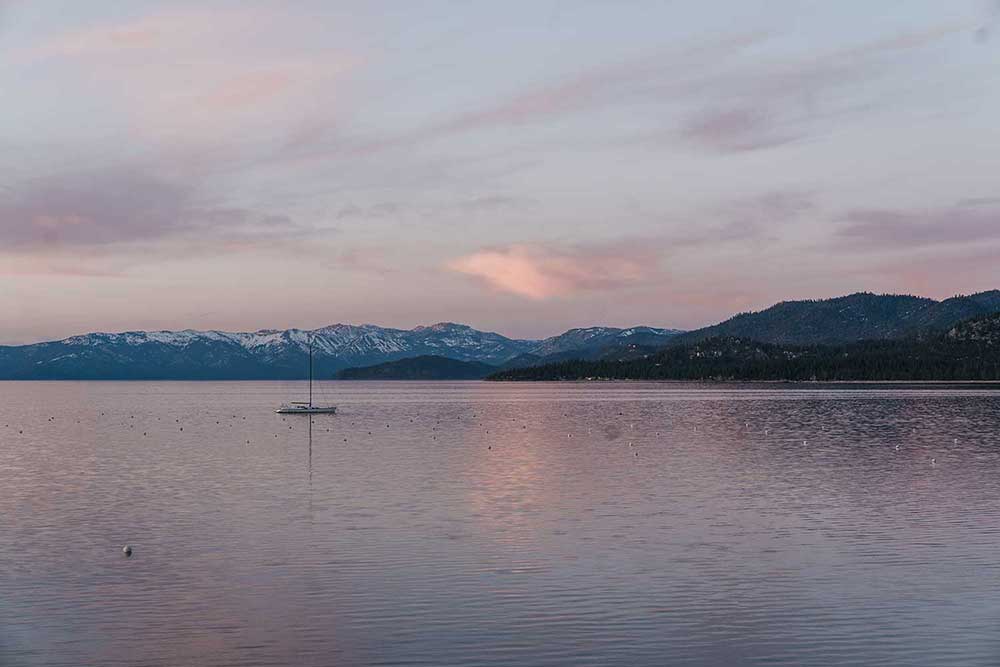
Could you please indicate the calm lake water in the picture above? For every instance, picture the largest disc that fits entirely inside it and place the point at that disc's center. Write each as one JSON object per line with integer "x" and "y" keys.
{"x": 499, "y": 524}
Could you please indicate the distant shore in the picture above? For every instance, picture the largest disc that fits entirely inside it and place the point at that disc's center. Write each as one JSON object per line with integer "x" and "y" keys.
{"x": 752, "y": 382}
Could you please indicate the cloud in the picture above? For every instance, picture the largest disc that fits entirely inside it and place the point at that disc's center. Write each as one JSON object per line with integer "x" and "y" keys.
{"x": 125, "y": 205}
{"x": 546, "y": 271}
{"x": 742, "y": 105}
{"x": 758, "y": 217}
{"x": 979, "y": 201}
{"x": 736, "y": 130}
{"x": 602, "y": 85}
{"x": 990, "y": 17}
{"x": 147, "y": 33}
{"x": 433, "y": 210}
{"x": 367, "y": 259}
{"x": 492, "y": 203}
{"x": 375, "y": 211}
{"x": 745, "y": 220}
{"x": 197, "y": 73}
{"x": 894, "y": 228}
{"x": 587, "y": 90}
{"x": 764, "y": 104}
{"x": 92, "y": 208}
{"x": 775, "y": 206}
{"x": 248, "y": 89}
{"x": 540, "y": 272}
{"x": 712, "y": 94}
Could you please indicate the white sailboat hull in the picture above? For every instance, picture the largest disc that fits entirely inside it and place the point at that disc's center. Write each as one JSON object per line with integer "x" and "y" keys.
{"x": 306, "y": 410}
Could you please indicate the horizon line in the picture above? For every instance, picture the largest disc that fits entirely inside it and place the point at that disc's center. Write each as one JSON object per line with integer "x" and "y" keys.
{"x": 446, "y": 322}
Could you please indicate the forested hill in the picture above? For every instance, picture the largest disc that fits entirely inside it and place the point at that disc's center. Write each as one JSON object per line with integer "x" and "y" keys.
{"x": 968, "y": 351}
{"x": 846, "y": 319}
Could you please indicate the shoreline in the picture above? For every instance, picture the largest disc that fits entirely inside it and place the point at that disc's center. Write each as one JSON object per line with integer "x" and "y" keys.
{"x": 796, "y": 383}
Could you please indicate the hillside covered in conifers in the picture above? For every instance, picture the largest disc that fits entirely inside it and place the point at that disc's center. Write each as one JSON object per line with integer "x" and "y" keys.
{"x": 970, "y": 350}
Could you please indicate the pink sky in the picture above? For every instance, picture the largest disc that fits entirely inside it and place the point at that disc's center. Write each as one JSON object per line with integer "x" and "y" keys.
{"x": 522, "y": 169}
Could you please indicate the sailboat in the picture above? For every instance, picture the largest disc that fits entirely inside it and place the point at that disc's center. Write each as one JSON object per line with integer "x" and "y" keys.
{"x": 307, "y": 407}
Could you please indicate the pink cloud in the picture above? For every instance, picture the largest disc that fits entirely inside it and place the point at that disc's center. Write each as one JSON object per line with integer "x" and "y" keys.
{"x": 538, "y": 272}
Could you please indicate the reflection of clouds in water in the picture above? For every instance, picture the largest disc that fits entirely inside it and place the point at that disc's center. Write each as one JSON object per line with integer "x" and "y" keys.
{"x": 714, "y": 544}
{"x": 522, "y": 467}
{"x": 508, "y": 483}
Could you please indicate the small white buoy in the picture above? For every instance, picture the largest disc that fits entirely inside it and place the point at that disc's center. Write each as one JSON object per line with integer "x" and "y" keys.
{"x": 127, "y": 550}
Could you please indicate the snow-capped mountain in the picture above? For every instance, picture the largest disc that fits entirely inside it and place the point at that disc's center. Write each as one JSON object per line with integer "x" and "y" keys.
{"x": 601, "y": 337}
{"x": 270, "y": 353}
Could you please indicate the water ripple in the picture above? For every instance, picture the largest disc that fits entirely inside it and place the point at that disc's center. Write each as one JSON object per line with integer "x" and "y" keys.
{"x": 494, "y": 524}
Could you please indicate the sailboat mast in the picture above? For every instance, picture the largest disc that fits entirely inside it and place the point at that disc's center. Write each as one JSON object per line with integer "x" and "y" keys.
{"x": 310, "y": 372}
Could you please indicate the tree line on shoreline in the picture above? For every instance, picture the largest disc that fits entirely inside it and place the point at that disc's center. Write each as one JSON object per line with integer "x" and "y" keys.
{"x": 970, "y": 351}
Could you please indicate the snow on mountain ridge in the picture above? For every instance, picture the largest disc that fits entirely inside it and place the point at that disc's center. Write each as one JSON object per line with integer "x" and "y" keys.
{"x": 586, "y": 336}
{"x": 360, "y": 343}
{"x": 274, "y": 353}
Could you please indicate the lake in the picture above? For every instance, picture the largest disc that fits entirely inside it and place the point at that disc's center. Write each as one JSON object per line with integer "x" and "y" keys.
{"x": 477, "y": 523}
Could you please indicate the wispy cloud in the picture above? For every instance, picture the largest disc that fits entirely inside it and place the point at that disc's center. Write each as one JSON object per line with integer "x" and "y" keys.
{"x": 764, "y": 104}
{"x": 899, "y": 228}
{"x": 125, "y": 205}
{"x": 367, "y": 259}
{"x": 196, "y": 73}
{"x": 746, "y": 219}
{"x": 590, "y": 89}
{"x": 92, "y": 208}
{"x": 469, "y": 206}
{"x": 709, "y": 96}
{"x": 991, "y": 16}
{"x": 735, "y": 130}
{"x": 542, "y": 272}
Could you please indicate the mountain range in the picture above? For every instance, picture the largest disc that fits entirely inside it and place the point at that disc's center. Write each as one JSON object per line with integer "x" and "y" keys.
{"x": 281, "y": 354}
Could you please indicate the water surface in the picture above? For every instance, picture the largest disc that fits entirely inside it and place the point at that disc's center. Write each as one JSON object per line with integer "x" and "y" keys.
{"x": 498, "y": 524}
